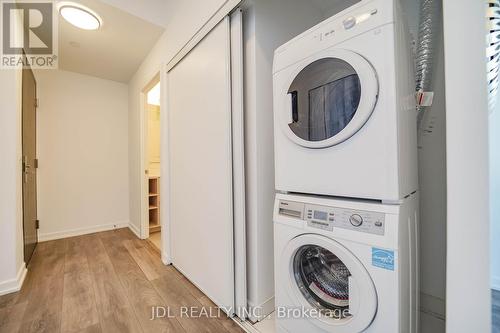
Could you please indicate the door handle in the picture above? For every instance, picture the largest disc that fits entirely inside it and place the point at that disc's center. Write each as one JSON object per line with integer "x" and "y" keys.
{"x": 25, "y": 168}
{"x": 293, "y": 111}
{"x": 26, "y": 165}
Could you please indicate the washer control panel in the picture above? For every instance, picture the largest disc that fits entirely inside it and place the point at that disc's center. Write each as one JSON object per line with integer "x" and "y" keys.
{"x": 327, "y": 218}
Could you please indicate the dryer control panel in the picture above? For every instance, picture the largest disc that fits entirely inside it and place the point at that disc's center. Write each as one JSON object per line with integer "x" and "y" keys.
{"x": 327, "y": 218}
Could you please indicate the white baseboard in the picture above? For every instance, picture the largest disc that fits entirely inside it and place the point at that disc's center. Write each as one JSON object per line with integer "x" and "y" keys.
{"x": 134, "y": 229}
{"x": 43, "y": 237}
{"x": 495, "y": 283}
{"x": 265, "y": 309}
{"x": 13, "y": 285}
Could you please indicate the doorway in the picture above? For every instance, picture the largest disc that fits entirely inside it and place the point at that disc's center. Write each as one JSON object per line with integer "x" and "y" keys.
{"x": 30, "y": 164}
{"x": 151, "y": 223}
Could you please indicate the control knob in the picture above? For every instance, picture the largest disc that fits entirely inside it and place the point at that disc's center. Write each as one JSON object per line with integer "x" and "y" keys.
{"x": 356, "y": 220}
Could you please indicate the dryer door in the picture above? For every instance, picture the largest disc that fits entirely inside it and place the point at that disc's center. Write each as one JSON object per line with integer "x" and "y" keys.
{"x": 328, "y": 98}
{"x": 328, "y": 279}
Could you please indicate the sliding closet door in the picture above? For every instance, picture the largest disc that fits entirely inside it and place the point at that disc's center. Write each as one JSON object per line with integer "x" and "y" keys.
{"x": 201, "y": 183}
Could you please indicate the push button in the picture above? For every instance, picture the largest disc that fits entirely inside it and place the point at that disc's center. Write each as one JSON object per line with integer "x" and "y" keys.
{"x": 349, "y": 22}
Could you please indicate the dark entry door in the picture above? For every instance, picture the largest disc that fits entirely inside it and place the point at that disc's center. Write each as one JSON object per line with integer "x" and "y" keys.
{"x": 30, "y": 224}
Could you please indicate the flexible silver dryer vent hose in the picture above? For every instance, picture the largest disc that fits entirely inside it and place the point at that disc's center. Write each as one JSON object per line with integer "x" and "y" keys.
{"x": 430, "y": 16}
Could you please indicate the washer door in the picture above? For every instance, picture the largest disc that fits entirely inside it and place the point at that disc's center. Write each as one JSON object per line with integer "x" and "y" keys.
{"x": 326, "y": 277}
{"x": 328, "y": 99}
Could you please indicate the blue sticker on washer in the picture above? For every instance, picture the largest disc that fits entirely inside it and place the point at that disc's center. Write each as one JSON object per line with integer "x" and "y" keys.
{"x": 383, "y": 258}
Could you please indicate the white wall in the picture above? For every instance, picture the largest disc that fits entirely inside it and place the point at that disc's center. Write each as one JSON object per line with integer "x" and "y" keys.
{"x": 190, "y": 16}
{"x": 11, "y": 232}
{"x": 494, "y": 121}
{"x": 336, "y": 6}
{"x": 12, "y": 268}
{"x": 83, "y": 153}
{"x": 467, "y": 168}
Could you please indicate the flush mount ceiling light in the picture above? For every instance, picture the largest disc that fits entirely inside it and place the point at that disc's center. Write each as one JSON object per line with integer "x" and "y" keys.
{"x": 79, "y": 16}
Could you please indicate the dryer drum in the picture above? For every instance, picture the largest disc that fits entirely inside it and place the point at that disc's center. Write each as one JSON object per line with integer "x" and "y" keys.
{"x": 325, "y": 96}
{"x": 322, "y": 277}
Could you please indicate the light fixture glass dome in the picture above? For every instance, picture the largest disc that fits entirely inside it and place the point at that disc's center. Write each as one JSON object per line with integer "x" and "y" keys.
{"x": 80, "y": 16}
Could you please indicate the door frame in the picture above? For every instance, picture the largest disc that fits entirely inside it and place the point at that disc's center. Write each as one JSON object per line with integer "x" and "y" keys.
{"x": 144, "y": 160}
{"x": 165, "y": 168}
{"x": 238, "y": 154}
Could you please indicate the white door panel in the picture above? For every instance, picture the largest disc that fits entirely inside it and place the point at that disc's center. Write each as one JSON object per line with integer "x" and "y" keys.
{"x": 201, "y": 197}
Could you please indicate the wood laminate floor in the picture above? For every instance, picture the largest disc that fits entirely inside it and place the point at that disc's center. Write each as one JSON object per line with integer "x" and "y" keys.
{"x": 495, "y": 305}
{"x": 105, "y": 282}
{"x": 155, "y": 238}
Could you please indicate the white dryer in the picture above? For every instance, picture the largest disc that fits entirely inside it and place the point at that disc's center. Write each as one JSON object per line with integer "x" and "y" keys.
{"x": 344, "y": 106}
{"x": 345, "y": 266}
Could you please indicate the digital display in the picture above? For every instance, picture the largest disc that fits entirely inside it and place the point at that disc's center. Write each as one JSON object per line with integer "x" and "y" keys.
{"x": 319, "y": 215}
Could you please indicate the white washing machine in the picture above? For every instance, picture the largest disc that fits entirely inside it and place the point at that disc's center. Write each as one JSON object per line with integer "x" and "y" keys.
{"x": 345, "y": 266}
{"x": 344, "y": 106}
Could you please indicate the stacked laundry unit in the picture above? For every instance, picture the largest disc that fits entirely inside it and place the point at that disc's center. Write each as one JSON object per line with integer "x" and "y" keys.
{"x": 345, "y": 218}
